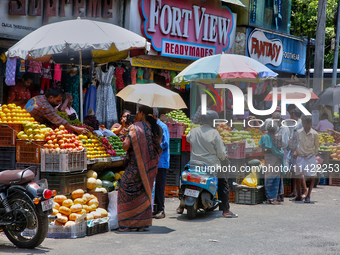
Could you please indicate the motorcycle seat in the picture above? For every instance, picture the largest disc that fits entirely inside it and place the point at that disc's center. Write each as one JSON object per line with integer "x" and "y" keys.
{"x": 9, "y": 176}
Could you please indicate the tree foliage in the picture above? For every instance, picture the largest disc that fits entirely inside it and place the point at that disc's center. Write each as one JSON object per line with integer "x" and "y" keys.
{"x": 304, "y": 23}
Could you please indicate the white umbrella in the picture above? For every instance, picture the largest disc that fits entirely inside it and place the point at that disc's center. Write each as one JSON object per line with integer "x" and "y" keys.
{"x": 106, "y": 41}
{"x": 152, "y": 95}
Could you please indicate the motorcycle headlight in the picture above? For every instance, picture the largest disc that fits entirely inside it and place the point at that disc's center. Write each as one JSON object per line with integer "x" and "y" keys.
{"x": 185, "y": 175}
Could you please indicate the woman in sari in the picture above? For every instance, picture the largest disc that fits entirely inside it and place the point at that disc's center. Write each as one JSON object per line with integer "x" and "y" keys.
{"x": 271, "y": 145}
{"x": 135, "y": 189}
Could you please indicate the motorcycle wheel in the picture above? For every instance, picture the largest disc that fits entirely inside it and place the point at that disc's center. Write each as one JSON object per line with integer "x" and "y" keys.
{"x": 192, "y": 211}
{"x": 30, "y": 228}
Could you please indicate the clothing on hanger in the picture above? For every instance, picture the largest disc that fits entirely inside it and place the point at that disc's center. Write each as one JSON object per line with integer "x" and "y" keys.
{"x": 119, "y": 78}
{"x": 34, "y": 67}
{"x": 151, "y": 80}
{"x": 133, "y": 75}
{"x": 140, "y": 75}
{"x": 11, "y": 66}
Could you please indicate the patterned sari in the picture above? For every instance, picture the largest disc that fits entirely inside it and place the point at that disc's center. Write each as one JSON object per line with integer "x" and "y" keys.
{"x": 135, "y": 189}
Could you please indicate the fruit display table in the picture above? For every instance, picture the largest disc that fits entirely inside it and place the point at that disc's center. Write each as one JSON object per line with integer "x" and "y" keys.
{"x": 103, "y": 163}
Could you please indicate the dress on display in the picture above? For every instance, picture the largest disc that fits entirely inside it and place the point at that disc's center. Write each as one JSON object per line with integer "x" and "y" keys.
{"x": 11, "y": 67}
{"x": 72, "y": 86}
{"x": 133, "y": 75}
{"x": 119, "y": 78}
{"x": 106, "y": 110}
{"x": 91, "y": 93}
{"x": 140, "y": 75}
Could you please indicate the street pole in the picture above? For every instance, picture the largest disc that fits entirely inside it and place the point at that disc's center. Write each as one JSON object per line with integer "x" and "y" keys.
{"x": 319, "y": 48}
{"x": 336, "y": 50}
{"x": 308, "y": 62}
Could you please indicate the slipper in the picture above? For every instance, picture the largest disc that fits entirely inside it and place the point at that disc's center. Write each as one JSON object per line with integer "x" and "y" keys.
{"x": 232, "y": 215}
{"x": 303, "y": 196}
{"x": 307, "y": 200}
{"x": 179, "y": 210}
{"x": 297, "y": 199}
{"x": 291, "y": 195}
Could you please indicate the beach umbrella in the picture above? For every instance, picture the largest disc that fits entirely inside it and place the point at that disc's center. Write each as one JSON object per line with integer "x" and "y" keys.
{"x": 152, "y": 95}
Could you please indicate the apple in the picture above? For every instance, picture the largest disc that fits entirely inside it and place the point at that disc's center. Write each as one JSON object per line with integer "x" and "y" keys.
{"x": 50, "y": 142}
{"x": 55, "y": 141}
{"x": 53, "y": 137}
{"x": 61, "y": 127}
{"x": 59, "y": 137}
{"x": 60, "y": 142}
{"x": 63, "y": 146}
{"x": 46, "y": 145}
{"x": 48, "y": 138}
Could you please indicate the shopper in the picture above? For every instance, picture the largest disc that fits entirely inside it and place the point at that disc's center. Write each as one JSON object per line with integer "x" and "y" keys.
{"x": 91, "y": 120}
{"x": 324, "y": 124}
{"x": 20, "y": 94}
{"x": 121, "y": 129}
{"x": 163, "y": 167}
{"x": 196, "y": 118}
{"x": 305, "y": 154}
{"x": 271, "y": 144}
{"x": 42, "y": 109}
{"x": 208, "y": 147}
{"x": 135, "y": 189}
{"x": 66, "y": 106}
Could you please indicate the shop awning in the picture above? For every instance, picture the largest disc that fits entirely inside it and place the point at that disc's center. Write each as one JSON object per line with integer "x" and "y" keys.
{"x": 237, "y": 2}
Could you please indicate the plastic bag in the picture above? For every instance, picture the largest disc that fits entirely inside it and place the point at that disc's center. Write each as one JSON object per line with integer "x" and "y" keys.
{"x": 250, "y": 180}
{"x": 113, "y": 209}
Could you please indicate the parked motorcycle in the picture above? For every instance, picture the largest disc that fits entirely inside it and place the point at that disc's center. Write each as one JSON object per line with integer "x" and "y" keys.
{"x": 198, "y": 189}
{"x": 24, "y": 207}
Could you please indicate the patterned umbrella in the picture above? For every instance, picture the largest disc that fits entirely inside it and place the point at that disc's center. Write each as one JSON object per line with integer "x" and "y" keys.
{"x": 225, "y": 67}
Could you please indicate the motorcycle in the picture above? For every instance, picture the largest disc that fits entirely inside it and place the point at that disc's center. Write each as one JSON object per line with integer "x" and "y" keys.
{"x": 198, "y": 189}
{"x": 25, "y": 207}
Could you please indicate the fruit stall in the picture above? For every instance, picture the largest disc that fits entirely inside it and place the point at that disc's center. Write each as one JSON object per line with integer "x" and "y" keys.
{"x": 83, "y": 169}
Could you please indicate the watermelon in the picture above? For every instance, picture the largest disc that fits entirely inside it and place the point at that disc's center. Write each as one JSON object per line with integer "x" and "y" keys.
{"x": 107, "y": 176}
{"x": 108, "y": 185}
{"x": 254, "y": 162}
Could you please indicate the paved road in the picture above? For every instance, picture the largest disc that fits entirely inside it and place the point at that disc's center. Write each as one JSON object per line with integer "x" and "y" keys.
{"x": 292, "y": 228}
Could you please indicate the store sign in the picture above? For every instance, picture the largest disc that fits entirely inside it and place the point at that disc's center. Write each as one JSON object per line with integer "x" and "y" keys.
{"x": 20, "y": 17}
{"x": 277, "y": 52}
{"x": 187, "y": 29}
{"x": 264, "y": 50}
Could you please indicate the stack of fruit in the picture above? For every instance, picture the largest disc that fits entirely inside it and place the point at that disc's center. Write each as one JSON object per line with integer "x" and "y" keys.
{"x": 256, "y": 134}
{"x": 107, "y": 181}
{"x": 14, "y": 114}
{"x": 335, "y": 152}
{"x": 336, "y": 138}
{"x": 94, "y": 147}
{"x": 60, "y": 138}
{"x": 33, "y": 132}
{"x": 325, "y": 138}
{"x": 224, "y": 131}
{"x": 326, "y": 148}
{"x": 190, "y": 126}
{"x": 107, "y": 146}
{"x": 179, "y": 116}
{"x": 117, "y": 145}
{"x": 69, "y": 210}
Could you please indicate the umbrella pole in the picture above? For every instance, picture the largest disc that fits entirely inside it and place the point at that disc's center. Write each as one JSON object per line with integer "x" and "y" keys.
{"x": 81, "y": 87}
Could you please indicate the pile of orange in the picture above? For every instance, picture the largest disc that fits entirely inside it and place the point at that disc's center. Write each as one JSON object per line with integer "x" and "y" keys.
{"x": 14, "y": 114}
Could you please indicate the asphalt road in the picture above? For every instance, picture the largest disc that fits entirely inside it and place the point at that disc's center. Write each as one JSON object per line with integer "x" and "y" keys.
{"x": 291, "y": 228}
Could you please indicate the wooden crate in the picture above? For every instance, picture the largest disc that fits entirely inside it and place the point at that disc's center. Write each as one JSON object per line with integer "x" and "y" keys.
{"x": 334, "y": 179}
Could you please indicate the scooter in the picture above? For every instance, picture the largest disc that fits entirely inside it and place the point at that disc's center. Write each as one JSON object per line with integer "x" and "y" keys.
{"x": 198, "y": 189}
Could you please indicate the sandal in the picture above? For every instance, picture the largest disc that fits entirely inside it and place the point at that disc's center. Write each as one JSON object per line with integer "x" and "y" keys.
{"x": 179, "y": 210}
{"x": 297, "y": 199}
{"x": 291, "y": 195}
{"x": 307, "y": 200}
{"x": 229, "y": 215}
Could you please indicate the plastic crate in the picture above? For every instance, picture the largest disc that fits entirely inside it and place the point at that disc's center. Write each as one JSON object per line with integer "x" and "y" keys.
{"x": 334, "y": 179}
{"x": 7, "y": 158}
{"x": 65, "y": 183}
{"x": 75, "y": 231}
{"x": 249, "y": 196}
{"x": 8, "y": 134}
{"x": 236, "y": 150}
{"x": 28, "y": 152}
{"x": 287, "y": 190}
{"x": 323, "y": 181}
{"x": 103, "y": 199}
{"x": 175, "y": 146}
{"x": 235, "y": 167}
{"x": 185, "y": 145}
{"x": 63, "y": 162}
{"x": 231, "y": 196}
{"x": 175, "y": 162}
{"x": 176, "y": 130}
{"x": 171, "y": 191}
{"x": 287, "y": 181}
{"x": 185, "y": 158}
{"x": 35, "y": 168}
{"x": 97, "y": 226}
{"x": 172, "y": 177}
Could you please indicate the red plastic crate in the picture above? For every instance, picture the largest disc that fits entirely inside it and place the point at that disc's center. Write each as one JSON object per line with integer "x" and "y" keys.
{"x": 176, "y": 130}
{"x": 334, "y": 179}
{"x": 185, "y": 145}
{"x": 231, "y": 196}
{"x": 171, "y": 191}
{"x": 236, "y": 150}
{"x": 287, "y": 190}
{"x": 29, "y": 152}
{"x": 8, "y": 134}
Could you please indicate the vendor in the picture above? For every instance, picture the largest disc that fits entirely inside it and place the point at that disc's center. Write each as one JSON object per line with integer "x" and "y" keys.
{"x": 91, "y": 120}
{"x": 42, "y": 110}
{"x": 121, "y": 129}
{"x": 20, "y": 93}
{"x": 66, "y": 106}
{"x": 324, "y": 124}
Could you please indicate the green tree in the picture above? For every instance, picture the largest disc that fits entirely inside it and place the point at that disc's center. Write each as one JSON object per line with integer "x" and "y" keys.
{"x": 304, "y": 21}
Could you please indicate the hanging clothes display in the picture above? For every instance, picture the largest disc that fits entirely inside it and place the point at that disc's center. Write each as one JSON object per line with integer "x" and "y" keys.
{"x": 57, "y": 77}
{"x": 146, "y": 75}
{"x": 119, "y": 77}
{"x": 91, "y": 93}
{"x": 10, "y": 71}
{"x": 20, "y": 69}
{"x": 72, "y": 86}
{"x": 34, "y": 67}
{"x": 167, "y": 76}
{"x": 46, "y": 76}
{"x": 151, "y": 76}
{"x": 127, "y": 76}
{"x": 106, "y": 110}
{"x": 133, "y": 75}
{"x": 139, "y": 75}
